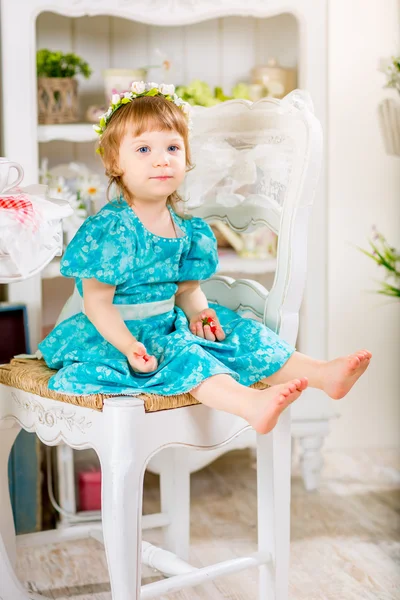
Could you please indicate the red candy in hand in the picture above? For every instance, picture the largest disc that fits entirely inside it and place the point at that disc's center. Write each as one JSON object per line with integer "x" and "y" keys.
{"x": 209, "y": 321}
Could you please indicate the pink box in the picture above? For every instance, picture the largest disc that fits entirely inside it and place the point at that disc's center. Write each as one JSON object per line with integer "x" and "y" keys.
{"x": 90, "y": 490}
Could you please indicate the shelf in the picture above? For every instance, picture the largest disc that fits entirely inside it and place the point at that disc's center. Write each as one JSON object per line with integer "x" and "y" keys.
{"x": 229, "y": 262}
{"x": 70, "y": 132}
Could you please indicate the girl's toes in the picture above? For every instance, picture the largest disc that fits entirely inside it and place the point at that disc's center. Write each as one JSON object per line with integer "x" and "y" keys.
{"x": 354, "y": 362}
{"x": 304, "y": 383}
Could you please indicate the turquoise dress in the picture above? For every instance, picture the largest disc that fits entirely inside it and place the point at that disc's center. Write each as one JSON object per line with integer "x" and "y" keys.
{"x": 114, "y": 247}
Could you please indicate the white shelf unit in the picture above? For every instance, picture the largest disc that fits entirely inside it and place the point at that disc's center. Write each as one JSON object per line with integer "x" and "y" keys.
{"x": 218, "y": 41}
{"x": 72, "y": 132}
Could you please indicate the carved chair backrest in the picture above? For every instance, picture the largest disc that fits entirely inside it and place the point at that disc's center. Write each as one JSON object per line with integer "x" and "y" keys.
{"x": 258, "y": 165}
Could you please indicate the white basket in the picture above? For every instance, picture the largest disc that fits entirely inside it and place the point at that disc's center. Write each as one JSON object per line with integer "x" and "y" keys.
{"x": 389, "y": 121}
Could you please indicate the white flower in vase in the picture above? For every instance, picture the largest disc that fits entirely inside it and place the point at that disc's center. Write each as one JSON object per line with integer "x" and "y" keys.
{"x": 59, "y": 189}
{"x": 44, "y": 174}
{"x": 89, "y": 189}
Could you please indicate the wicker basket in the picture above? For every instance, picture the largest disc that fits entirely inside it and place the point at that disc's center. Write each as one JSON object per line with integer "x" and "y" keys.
{"x": 57, "y": 100}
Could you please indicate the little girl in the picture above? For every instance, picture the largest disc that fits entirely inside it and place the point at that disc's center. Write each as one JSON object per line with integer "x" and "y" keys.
{"x": 145, "y": 325}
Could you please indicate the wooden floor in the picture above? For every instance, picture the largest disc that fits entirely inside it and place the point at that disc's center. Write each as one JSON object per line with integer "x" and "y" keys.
{"x": 345, "y": 537}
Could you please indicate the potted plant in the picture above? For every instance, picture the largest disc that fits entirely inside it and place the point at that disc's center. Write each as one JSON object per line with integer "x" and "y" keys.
{"x": 57, "y": 86}
{"x": 389, "y": 258}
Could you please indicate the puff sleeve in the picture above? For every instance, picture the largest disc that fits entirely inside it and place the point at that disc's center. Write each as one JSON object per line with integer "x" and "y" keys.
{"x": 103, "y": 248}
{"x": 201, "y": 260}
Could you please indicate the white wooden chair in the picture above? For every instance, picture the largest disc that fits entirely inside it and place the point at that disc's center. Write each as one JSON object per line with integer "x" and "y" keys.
{"x": 279, "y": 145}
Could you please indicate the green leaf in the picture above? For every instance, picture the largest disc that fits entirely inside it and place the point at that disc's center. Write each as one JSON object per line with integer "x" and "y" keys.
{"x": 58, "y": 64}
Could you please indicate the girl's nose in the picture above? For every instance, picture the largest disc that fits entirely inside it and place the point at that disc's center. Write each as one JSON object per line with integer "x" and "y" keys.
{"x": 161, "y": 160}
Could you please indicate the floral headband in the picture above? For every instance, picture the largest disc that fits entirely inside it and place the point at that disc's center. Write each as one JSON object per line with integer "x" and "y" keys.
{"x": 138, "y": 90}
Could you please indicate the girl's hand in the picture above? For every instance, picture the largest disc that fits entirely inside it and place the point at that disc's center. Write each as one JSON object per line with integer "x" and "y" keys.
{"x": 139, "y": 359}
{"x": 207, "y": 326}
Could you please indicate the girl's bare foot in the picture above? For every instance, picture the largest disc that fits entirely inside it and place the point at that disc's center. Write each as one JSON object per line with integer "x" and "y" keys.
{"x": 339, "y": 375}
{"x": 263, "y": 414}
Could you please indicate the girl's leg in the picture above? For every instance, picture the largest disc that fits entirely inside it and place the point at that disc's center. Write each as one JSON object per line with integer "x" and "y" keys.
{"x": 335, "y": 377}
{"x": 260, "y": 408}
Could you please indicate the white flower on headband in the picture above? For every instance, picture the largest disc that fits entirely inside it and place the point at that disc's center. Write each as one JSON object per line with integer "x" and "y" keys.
{"x": 166, "y": 89}
{"x": 138, "y": 90}
{"x": 138, "y": 87}
{"x": 185, "y": 108}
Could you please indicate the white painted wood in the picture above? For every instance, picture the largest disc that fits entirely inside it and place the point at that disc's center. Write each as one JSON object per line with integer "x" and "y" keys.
{"x": 8, "y": 434}
{"x": 278, "y": 37}
{"x": 175, "y": 499}
{"x": 122, "y": 464}
{"x": 166, "y": 562}
{"x": 66, "y": 481}
{"x": 170, "y": 42}
{"x": 9, "y": 582}
{"x": 153, "y": 590}
{"x": 230, "y": 262}
{"x": 55, "y": 32}
{"x": 87, "y": 33}
{"x": 311, "y": 457}
{"x": 237, "y": 50}
{"x": 72, "y": 132}
{"x": 202, "y": 49}
{"x": 265, "y": 514}
{"x": 128, "y": 44}
{"x": 55, "y": 536}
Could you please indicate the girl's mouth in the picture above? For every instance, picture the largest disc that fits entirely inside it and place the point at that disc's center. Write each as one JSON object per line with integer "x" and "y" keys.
{"x": 162, "y": 178}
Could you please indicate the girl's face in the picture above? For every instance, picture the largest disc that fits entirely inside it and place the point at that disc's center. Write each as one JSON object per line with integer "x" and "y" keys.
{"x": 153, "y": 164}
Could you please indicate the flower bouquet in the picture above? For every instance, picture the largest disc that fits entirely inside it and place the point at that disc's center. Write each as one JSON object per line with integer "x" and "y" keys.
{"x": 389, "y": 258}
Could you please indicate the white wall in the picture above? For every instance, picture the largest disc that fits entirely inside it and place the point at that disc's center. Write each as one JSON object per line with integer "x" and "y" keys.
{"x": 364, "y": 189}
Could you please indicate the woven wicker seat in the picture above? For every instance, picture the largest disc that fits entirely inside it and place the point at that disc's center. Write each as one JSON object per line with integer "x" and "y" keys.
{"x": 33, "y": 376}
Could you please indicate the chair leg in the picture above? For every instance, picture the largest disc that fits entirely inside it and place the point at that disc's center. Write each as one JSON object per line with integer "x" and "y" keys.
{"x": 273, "y": 491}
{"x": 7, "y": 529}
{"x": 10, "y": 587}
{"x": 122, "y": 464}
{"x": 175, "y": 500}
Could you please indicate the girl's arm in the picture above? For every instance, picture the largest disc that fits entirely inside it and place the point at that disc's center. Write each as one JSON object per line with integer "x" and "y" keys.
{"x": 190, "y": 298}
{"x": 100, "y": 310}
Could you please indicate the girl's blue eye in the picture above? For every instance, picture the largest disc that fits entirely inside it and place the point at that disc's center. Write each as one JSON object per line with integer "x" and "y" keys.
{"x": 145, "y": 148}
{"x": 174, "y": 148}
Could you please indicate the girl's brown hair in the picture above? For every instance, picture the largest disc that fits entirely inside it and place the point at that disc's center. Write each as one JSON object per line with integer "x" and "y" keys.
{"x": 147, "y": 113}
